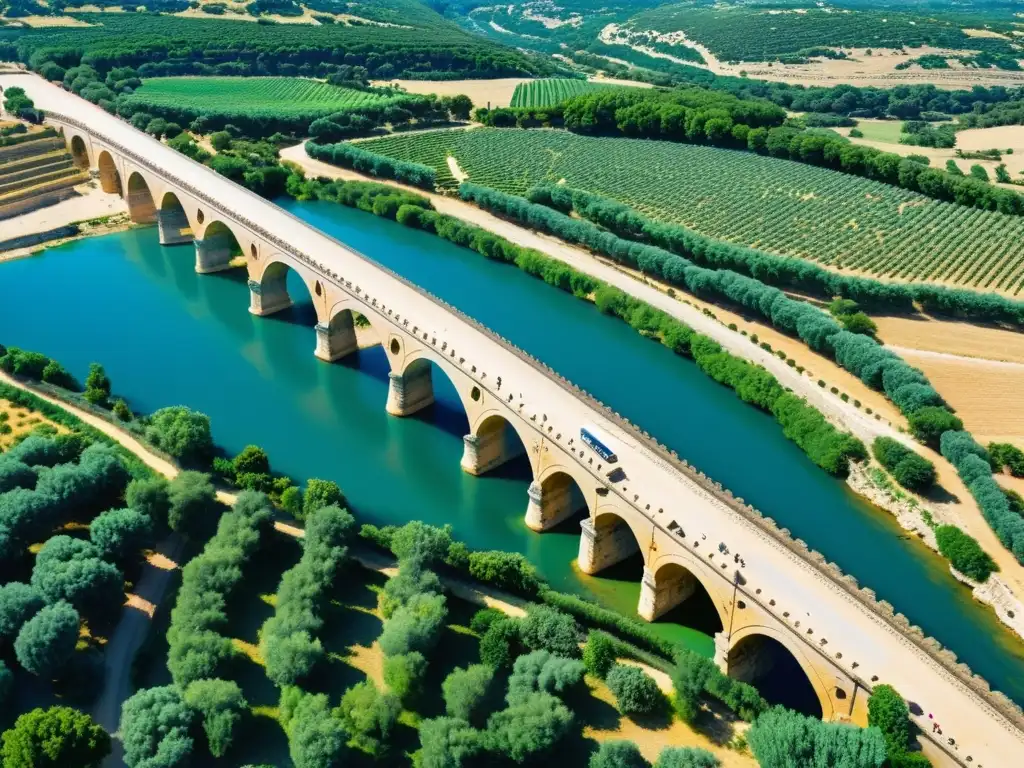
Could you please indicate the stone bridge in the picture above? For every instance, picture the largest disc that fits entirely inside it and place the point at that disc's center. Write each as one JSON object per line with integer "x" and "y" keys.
{"x": 771, "y": 595}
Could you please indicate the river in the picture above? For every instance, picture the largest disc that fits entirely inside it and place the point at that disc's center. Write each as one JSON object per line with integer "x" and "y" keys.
{"x": 167, "y": 336}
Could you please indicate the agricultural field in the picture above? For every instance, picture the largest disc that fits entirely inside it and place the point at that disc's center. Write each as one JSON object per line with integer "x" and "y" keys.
{"x": 271, "y": 96}
{"x": 792, "y": 209}
{"x": 549, "y": 92}
{"x": 739, "y": 33}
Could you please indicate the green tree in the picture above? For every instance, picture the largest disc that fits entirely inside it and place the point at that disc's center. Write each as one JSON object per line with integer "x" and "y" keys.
{"x": 543, "y": 671}
{"x": 466, "y": 690}
{"x": 150, "y": 497}
{"x": 415, "y": 626}
{"x": 291, "y": 501}
{"x": 952, "y": 168}
{"x": 546, "y": 628}
{"x": 1003, "y": 175}
{"x": 529, "y": 728}
{"x": 403, "y": 675}
{"x": 599, "y": 653}
{"x": 618, "y": 754}
{"x": 155, "y": 725}
{"x": 369, "y": 716}
{"x": 6, "y": 685}
{"x": 181, "y": 432}
{"x": 18, "y": 603}
{"x": 121, "y": 534}
{"x": 193, "y": 508}
{"x": 964, "y": 552}
{"x": 97, "y": 385}
{"x": 635, "y": 691}
{"x": 889, "y": 713}
{"x": 499, "y": 643}
{"x": 449, "y": 743}
{"x": 220, "y": 140}
{"x": 315, "y": 737}
{"x": 46, "y": 641}
{"x": 320, "y": 494}
{"x": 929, "y": 423}
{"x": 60, "y": 737}
{"x": 978, "y": 172}
{"x": 221, "y": 704}
{"x": 252, "y": 459}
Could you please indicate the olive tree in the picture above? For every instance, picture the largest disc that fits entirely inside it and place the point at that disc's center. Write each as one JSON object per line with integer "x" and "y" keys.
{"x": 46, "y": 641}
{"x": 58, "y": 737}
{"x": 618, "y": 754}
{"x": 465, "y": 691}
{"x": 635, "y": 691}
{"x": 220, "y": 703}
{"x": 193, "y": 505}
{"x": 155, "y": 724}
{"x": 122, "y": 534}
{"x": 18, "y": 603}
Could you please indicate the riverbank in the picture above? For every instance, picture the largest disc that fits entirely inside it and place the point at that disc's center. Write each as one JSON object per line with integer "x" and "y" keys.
{"x": 958, "y": 506}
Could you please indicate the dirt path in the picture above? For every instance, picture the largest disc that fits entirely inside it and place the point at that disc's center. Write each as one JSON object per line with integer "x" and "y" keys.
{"x": 978, "y": 361}
{"x": 964, "y": 512}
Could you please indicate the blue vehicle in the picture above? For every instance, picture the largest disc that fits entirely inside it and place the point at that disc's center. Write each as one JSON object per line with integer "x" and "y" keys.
{"x": 598, "y": 442}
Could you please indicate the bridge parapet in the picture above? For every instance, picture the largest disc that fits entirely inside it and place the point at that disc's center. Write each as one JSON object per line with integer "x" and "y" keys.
{"x": 843, "y": 585}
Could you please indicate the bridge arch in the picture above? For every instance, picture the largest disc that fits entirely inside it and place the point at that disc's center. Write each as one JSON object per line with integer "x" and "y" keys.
{"x": 141, "y": 207}
{"x": 79, "y": 152}
{"x": 411, "y": 383}
{"x": 672, "y": 580}
{"x": 110, "y": 178}
{"x": 216, "y": 245}
{"x": 555, "y": 496}
{"x": 492, "y": 440}
{"x": 337, "y": 338}
{"x": 609, "y": 537}
{"x": 773, "y": 662}
{"x": 173, "y": 220}
{"x": 269, "y": 285}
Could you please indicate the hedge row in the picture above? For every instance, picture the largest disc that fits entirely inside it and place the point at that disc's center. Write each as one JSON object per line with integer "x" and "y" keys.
{"x": 779, "y": 270}
{"x": 910, "y": 469}
{"x": 196, "y": 649}
{"x": 288, "y": 641}
{"x": 351, "y": 156}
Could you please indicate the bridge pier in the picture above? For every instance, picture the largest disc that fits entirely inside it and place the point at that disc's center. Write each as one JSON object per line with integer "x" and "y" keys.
{"x": 141, "y": 208}
{"x": 266, "y": 300}
{"x": 722, "y": 652}
{"x": 495, "y": 444}
{"x": 336, "y": 340}
{"x": 552, "y": 502}
{"x": 604, "y": 545}
{"x": 213, "y": 254}
{"x": 173, "y": 226}
{"x": 410, "y": 391}
{"x": 657, "y": 599}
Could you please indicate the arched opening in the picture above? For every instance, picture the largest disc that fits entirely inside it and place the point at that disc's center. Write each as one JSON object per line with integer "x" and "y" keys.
{"x": 608, "y": 546}
{"x": 110, "y": 179}
{"x": 492, "y": 445}
{"x": 218, "y": 249}
{"x": 172, "y": 221}
{"x": 771, "y": 667}
{"x": 417, "y": 387}
{"x": 673, "y": 594}
{"x": 341, "y": 336}
{"x": 141, "y": 207}
{"x": 556, "y": 500}
{"x": 79, "y": 153}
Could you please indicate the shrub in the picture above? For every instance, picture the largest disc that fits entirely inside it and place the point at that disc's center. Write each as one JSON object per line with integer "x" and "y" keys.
{"x": 122, "y": 410}
{"x": 155, "y": 724}
{"x": 929, "y": 423}
{"x": 58, "y": 737}
{"x": 889, "y": 713}
{"x": 182, "y": 433}
{"x": 686, "y": 757}
{"x": 909, "y": 469}
{"x": 546, "y": 628}
{"x": 6, "y": 685}
{"x": 449, "y": 743}
{"x": 251, "y": 460}
{"x": 220, "y": 703}
{"x": 964, "y": 552}
{"x": 291, "y": 501}
{"x": 404, "y": 673}
{"x": 417, "y": 540}
{"x": 415, "y": 626}
{"x": 617, "y": 754}
{"x": 315, "y": 737}
{"x": 481, "y": 620}
{"x": 319, "y": 494}
{"x": 46, "y": 641}
{"x": 542, "y": 671}
{"x": 72, "y": 570}
{"x": 465, "y": 691}
{"x": 529, "y": 728}
{"x": 599, "y": 654}
{"x": 635, "y": 691}
{"x": 780, "y": 738}
{"x": 412, "y": 579}
{"x": 505, "y": 570}
{"x": 15, "y": 474}
{"x": 1004, "y": 456}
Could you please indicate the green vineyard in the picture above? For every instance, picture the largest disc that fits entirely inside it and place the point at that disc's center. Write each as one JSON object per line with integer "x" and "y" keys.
{"x": 548, "y": 93}
{"x": 271, "y": 96}
{"x": 783, "y": 207}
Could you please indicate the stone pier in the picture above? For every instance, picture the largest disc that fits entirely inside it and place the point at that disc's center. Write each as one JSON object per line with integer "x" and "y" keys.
{"x": 496, "y": 443}
{"x": 213, "y": 253}
{"x": 336, "y": 340}
{"x": 410, "y": 391}
{"x": 173, "y": 226}
{"x": 677, "y": 584}
{"x": 603, "y": 545}
{"x": 551, "y": 503}
{"x": 268, "y": 299}
{"x": 141, "y": 209}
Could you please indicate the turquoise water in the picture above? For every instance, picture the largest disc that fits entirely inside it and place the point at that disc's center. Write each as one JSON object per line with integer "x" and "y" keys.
{"x": 168, "y": 336}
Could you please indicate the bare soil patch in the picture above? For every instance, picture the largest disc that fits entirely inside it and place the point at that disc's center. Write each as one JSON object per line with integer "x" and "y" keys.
{"x": 951, "y": 337}
{"x": 999, "y": 137}
{"x": 496, "y": 93}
